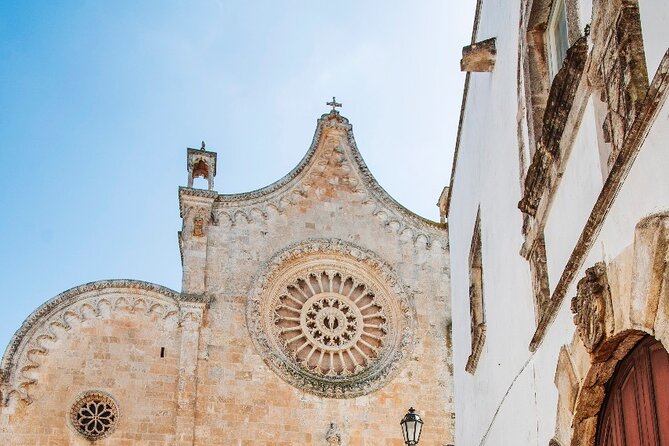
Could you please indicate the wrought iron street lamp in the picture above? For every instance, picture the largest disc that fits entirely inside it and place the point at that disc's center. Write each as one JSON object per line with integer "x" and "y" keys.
{"x": 412, "y": 425}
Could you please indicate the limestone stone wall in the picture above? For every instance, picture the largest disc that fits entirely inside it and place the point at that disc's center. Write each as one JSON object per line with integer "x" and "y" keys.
{"x": 241, "y": 399}
{"x": 107, "y": 340}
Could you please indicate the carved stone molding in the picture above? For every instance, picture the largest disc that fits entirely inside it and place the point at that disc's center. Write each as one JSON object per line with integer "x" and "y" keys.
{"x": 331, "y": 318}
{"x": 31, "y": 342}
{"x": 592, "y": 305}
{"x": 619, "y": 67}
{"x": 476, "y": 298}
{"x": 333, "y": 144}
{"x": 94, "y": 415}
{"x": 559, "y": 105}
{"x": 617, "y": 305}
{"x": 653, "y": 102}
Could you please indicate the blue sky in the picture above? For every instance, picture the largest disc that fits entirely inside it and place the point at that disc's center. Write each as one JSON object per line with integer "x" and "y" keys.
{"x": 100, "y": 99}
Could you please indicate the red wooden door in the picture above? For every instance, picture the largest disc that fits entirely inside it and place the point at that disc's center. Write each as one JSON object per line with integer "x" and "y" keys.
{"x": 636, "y": 411}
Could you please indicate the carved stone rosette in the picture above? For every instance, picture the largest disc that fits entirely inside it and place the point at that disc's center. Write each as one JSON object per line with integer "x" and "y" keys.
{"x": 94, "y": 415}
{"x": 591, "y": 306}
{"x": 331, "y": 318}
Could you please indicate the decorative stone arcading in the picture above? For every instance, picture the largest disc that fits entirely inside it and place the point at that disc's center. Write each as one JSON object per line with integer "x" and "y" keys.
{"x": 333, "y": 144}
{"x": 331, "y": 318}
{"x": 31, "y": 342}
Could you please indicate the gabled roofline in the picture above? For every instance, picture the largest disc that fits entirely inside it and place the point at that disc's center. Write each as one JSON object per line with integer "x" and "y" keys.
{"x": 327, "y": 120}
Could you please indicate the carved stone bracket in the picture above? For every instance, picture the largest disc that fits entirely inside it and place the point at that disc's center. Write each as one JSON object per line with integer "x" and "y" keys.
{"x": 560, "y": 102}
{"x": 478, "y": 339}
{"x": 479, "y": 56}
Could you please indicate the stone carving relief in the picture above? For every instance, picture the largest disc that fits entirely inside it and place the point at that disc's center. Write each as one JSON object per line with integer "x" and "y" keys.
{"x": 94, "y": 415}
{"x": 591, "y": 306}
{"x": 621, "y": 67}
{"x": 617, "y": 304}
{"x": 560, "y": 101}
{"x": 330, "y": 324}
{"x": 198, "y": 226}
{"x": 333, "y": 437}
{"x": 333, "y": 146}
{"x": 331, "y": 318}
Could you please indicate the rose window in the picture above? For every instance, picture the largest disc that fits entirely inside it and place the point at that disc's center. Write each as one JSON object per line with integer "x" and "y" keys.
{"x": 330, "y": 318}
{"x": 330, "y": 324}
{"x": 94, "y": 415}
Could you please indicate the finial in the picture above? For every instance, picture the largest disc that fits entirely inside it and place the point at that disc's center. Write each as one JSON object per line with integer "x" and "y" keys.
{"x": 334, "y": 104}
{"x": 202, "y": 148}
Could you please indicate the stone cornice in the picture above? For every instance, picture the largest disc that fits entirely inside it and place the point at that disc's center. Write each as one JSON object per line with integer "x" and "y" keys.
{"x": 206, "y": 197}
{"x": 195, "y": 298}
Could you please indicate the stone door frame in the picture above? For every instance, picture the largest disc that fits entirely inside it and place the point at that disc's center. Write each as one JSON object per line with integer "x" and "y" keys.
{"x": 616, "y": 305}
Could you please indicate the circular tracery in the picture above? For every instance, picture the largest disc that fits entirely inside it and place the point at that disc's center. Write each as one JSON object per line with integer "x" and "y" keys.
{"x": 94, "y": 415}
{"x": 331, "y": 318}
{"x": 331, "y": 324}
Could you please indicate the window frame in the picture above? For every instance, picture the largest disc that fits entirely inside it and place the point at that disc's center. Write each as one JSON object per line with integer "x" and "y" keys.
{"x": 558, "y": 14}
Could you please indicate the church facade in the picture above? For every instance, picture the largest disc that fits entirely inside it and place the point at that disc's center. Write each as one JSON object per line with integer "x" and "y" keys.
{"x": 558, "y": 217}
{"x": 313, "y": 311}
{"x": 317, "y": 310}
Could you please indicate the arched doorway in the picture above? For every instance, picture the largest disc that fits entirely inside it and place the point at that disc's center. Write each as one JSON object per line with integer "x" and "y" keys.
{"x": 636, "y": 410}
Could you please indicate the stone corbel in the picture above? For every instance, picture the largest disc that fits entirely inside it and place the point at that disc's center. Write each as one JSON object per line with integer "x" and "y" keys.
{"x": 479, "y": 57}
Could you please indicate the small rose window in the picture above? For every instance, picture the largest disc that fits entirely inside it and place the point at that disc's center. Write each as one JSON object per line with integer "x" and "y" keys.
{"x": 94, "y": 415}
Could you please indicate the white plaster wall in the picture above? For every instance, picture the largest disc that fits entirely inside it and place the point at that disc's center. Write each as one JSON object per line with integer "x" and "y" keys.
{"x": 654, "y": 20}
{"x": 584, "y": 12}
{"x": 512, "y": 398}
{"x": 574, "y": 199}
{"x": 488, "y": 174}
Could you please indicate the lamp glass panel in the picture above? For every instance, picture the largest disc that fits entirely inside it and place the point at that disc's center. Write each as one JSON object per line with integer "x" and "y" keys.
{"x": 419, "y": 429}
{"x": 411, "y": 430}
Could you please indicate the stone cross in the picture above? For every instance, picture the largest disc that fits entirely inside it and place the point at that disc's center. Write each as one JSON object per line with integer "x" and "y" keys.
{"x": 334, "y": 104}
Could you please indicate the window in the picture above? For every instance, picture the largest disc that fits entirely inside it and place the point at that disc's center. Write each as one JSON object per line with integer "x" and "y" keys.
{"x": 557, "y": 37}
{"x": 476, "y": 307}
